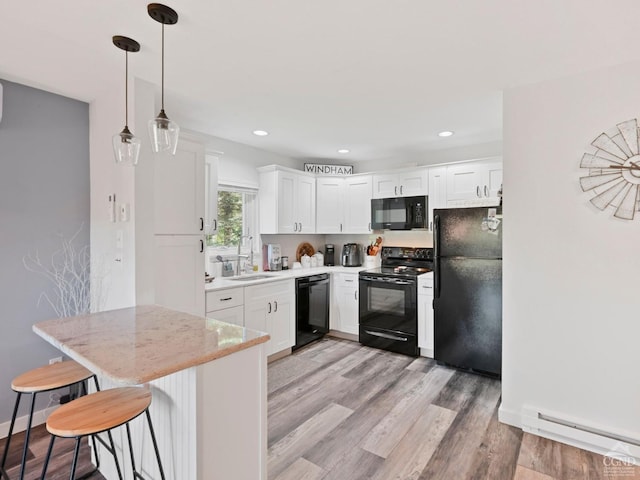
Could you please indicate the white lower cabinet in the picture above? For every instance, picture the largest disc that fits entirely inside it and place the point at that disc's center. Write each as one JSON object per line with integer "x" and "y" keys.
{"x": 271, "y": 308}
{"x": 226, "y": 305}
{"x": 345, "y": 303}
{"x": 425, "y": 315}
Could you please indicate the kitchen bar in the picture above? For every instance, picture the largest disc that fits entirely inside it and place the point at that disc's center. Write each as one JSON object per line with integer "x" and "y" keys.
{"x": 208, "y": 380}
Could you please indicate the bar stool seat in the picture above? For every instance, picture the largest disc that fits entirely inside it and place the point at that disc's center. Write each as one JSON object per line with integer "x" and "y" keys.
{"x": 40, "y": 380}
{"x": 97, "y": 413}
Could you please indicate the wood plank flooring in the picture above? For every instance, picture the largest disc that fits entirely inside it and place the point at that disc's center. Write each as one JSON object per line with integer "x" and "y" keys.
{"x": 341, "y": 411}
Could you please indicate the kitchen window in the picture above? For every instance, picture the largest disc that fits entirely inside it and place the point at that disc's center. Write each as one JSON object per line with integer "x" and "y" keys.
{"x": 237, "y": 216}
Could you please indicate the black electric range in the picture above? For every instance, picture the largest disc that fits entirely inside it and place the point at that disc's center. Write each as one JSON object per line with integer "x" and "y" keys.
{"x": 388, "y": 299}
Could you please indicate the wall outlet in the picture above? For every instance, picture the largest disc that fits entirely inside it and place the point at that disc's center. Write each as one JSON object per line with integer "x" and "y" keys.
{"x": 55, "y": 360}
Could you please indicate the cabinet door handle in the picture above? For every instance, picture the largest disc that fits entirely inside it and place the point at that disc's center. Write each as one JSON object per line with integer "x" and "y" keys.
{"x": 269, "y": 308}
{"x": 431, "y": 226}
{"x": 355, "y": 295}
{"x": 276, "y": 306}
{"x": 369, "y": 226}
{"x": 486, "y": 191}
{"x": 341, "y": 227}
{"x": 201, "y": 224}
{"x": 395, "y": 190}
{"x": 478, "y": 191}
{"x": 300, "y": 228}
{"x": 215, "y": 224}
{"x": 295, "y": 226}
{"x": 348, "y": 280}
{"x": 201, "y": 246}
{"x": 400, "y": 189}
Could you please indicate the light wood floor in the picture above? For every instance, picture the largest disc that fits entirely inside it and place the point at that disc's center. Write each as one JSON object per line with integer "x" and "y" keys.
{"x": 341, "y": 411}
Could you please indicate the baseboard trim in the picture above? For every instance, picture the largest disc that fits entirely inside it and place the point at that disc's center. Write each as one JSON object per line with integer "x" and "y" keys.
{"x": 344, "y": 336}
{"x": 509, "y": 417}
{"x": 39, "y": 417}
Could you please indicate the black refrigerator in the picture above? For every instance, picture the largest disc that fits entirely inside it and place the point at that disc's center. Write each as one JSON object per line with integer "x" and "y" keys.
{"x": 468, "y": 288}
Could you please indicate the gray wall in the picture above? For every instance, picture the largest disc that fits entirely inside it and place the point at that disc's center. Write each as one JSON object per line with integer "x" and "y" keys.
{"x": 44, "y": 193}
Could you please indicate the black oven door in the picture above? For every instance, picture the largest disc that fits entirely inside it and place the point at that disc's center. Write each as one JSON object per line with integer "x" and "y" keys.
{"x": 388, "y": 313}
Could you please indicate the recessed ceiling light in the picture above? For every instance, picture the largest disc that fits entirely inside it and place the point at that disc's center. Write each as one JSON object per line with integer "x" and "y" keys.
{"x": 446, "y": 133}
{"x": 343, "y": 150}
{"x": 260, "y": 133}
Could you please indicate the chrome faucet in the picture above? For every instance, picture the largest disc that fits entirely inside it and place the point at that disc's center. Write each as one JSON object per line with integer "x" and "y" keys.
{"x": 242, "y": 237}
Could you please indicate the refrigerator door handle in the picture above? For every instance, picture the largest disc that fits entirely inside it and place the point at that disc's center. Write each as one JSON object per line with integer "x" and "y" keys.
{"x": 436, "y": 260}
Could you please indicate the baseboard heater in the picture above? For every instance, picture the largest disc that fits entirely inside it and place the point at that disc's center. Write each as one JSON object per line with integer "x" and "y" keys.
{"x": 580, "y": 434}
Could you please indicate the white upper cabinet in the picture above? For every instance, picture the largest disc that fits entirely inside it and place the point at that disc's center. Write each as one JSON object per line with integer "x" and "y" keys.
{"x": 287, "y": 201}
{"x": 474, "y": 183}
{"x": 330, "y": 196}
{"x": 179, "y": 191}
{"x": 357, "y": 203}
{"x": 402, "y": 184}
{"x": 211, "y": 167}
{"x": 344, "y": 204}
{"x": 437, "y": 191}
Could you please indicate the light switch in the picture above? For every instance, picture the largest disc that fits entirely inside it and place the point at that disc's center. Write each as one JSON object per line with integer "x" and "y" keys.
{"x": 124, "y": 212}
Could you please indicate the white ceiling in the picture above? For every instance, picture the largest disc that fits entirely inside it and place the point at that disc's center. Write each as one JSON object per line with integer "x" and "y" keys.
{"x": 380, "y": 77}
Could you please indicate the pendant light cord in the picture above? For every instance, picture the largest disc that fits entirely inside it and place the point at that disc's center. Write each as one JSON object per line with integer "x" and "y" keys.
{"x": 162, "y": 92}
{"x": 126, "y": 89}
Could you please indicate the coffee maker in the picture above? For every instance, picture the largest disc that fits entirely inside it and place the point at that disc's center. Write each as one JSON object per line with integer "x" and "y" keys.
{"x": 329, "y": 255}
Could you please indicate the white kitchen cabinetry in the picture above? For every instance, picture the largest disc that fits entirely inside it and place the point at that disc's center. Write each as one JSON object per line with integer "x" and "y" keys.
{"x": 211, "y": 195}
{"x": 226, "y": 305}
{"x": 178, "y": 245}
{"x": 437, "y": 191}
{"x": 425, "y": 314}
{"x": 402, "y": 184}
{"x": 344, "y": 204}
{"x": 270, "y": 308}
{"x": 287, "y": 201}
{"x": 179, "y": 200}
{"x": 179, "y": 272}
{"x": 345, "y": 308}
{"x": 474, "y": 183}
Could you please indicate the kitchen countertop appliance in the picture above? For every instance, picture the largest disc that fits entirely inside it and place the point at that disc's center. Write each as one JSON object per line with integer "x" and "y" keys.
{"x": 351, "y": 255}
{"x": 312, "y": 308}
{"x": 271, "y": 257}
{"x": 468, "y": 288}
{"x": 329, "y": 255}
{"x": 388, "y": 299}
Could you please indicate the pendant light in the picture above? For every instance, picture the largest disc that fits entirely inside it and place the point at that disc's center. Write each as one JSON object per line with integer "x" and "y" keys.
{"x": 164, "y": 132}
{"x": 126, "y": 147}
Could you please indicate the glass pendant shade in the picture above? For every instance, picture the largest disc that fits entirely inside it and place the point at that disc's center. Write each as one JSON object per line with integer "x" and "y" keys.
{"x": 164, "y": 134}
{"x": 126, "y": 148}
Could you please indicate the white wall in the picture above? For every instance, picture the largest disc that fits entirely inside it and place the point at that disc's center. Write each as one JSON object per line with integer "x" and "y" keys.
{"x": 571, "y": 298}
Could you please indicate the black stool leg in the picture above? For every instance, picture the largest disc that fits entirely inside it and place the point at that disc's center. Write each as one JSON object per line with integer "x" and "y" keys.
{"x": 48, "y": 457}
{"x": 25, "y": 449}
{"x": 3, "y": 473}
{"x": 74, "y": 464}
{"x": 155, "y": 444}
{"x": 115, "y": 457}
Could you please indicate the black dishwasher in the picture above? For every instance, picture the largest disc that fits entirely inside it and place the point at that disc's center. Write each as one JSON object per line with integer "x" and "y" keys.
{"x": 312, "y": 308}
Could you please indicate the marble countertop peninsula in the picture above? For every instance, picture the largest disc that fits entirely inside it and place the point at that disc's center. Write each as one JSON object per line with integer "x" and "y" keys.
{"x": 139, "y": 344}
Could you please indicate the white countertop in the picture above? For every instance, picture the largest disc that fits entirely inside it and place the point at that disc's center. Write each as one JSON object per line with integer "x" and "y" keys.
{"x": 222, "y": 283}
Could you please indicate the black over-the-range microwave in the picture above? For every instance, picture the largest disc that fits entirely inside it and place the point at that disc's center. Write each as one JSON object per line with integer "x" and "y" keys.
{"x": 399, "y": 213}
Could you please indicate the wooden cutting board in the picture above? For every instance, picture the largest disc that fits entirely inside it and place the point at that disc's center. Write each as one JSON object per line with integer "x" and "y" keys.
{"x": 304, "y": 249}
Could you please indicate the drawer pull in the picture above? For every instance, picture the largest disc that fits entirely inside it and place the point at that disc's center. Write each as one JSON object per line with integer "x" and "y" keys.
{"x": 226, "y": 298}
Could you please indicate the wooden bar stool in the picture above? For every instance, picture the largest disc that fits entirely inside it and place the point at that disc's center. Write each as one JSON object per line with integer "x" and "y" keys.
{"x": 40, "y": 380}
{"x": 101, "y": 412}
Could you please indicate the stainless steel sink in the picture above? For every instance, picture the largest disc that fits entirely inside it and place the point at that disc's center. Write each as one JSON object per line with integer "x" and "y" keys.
{"x": 249, "y": 278}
